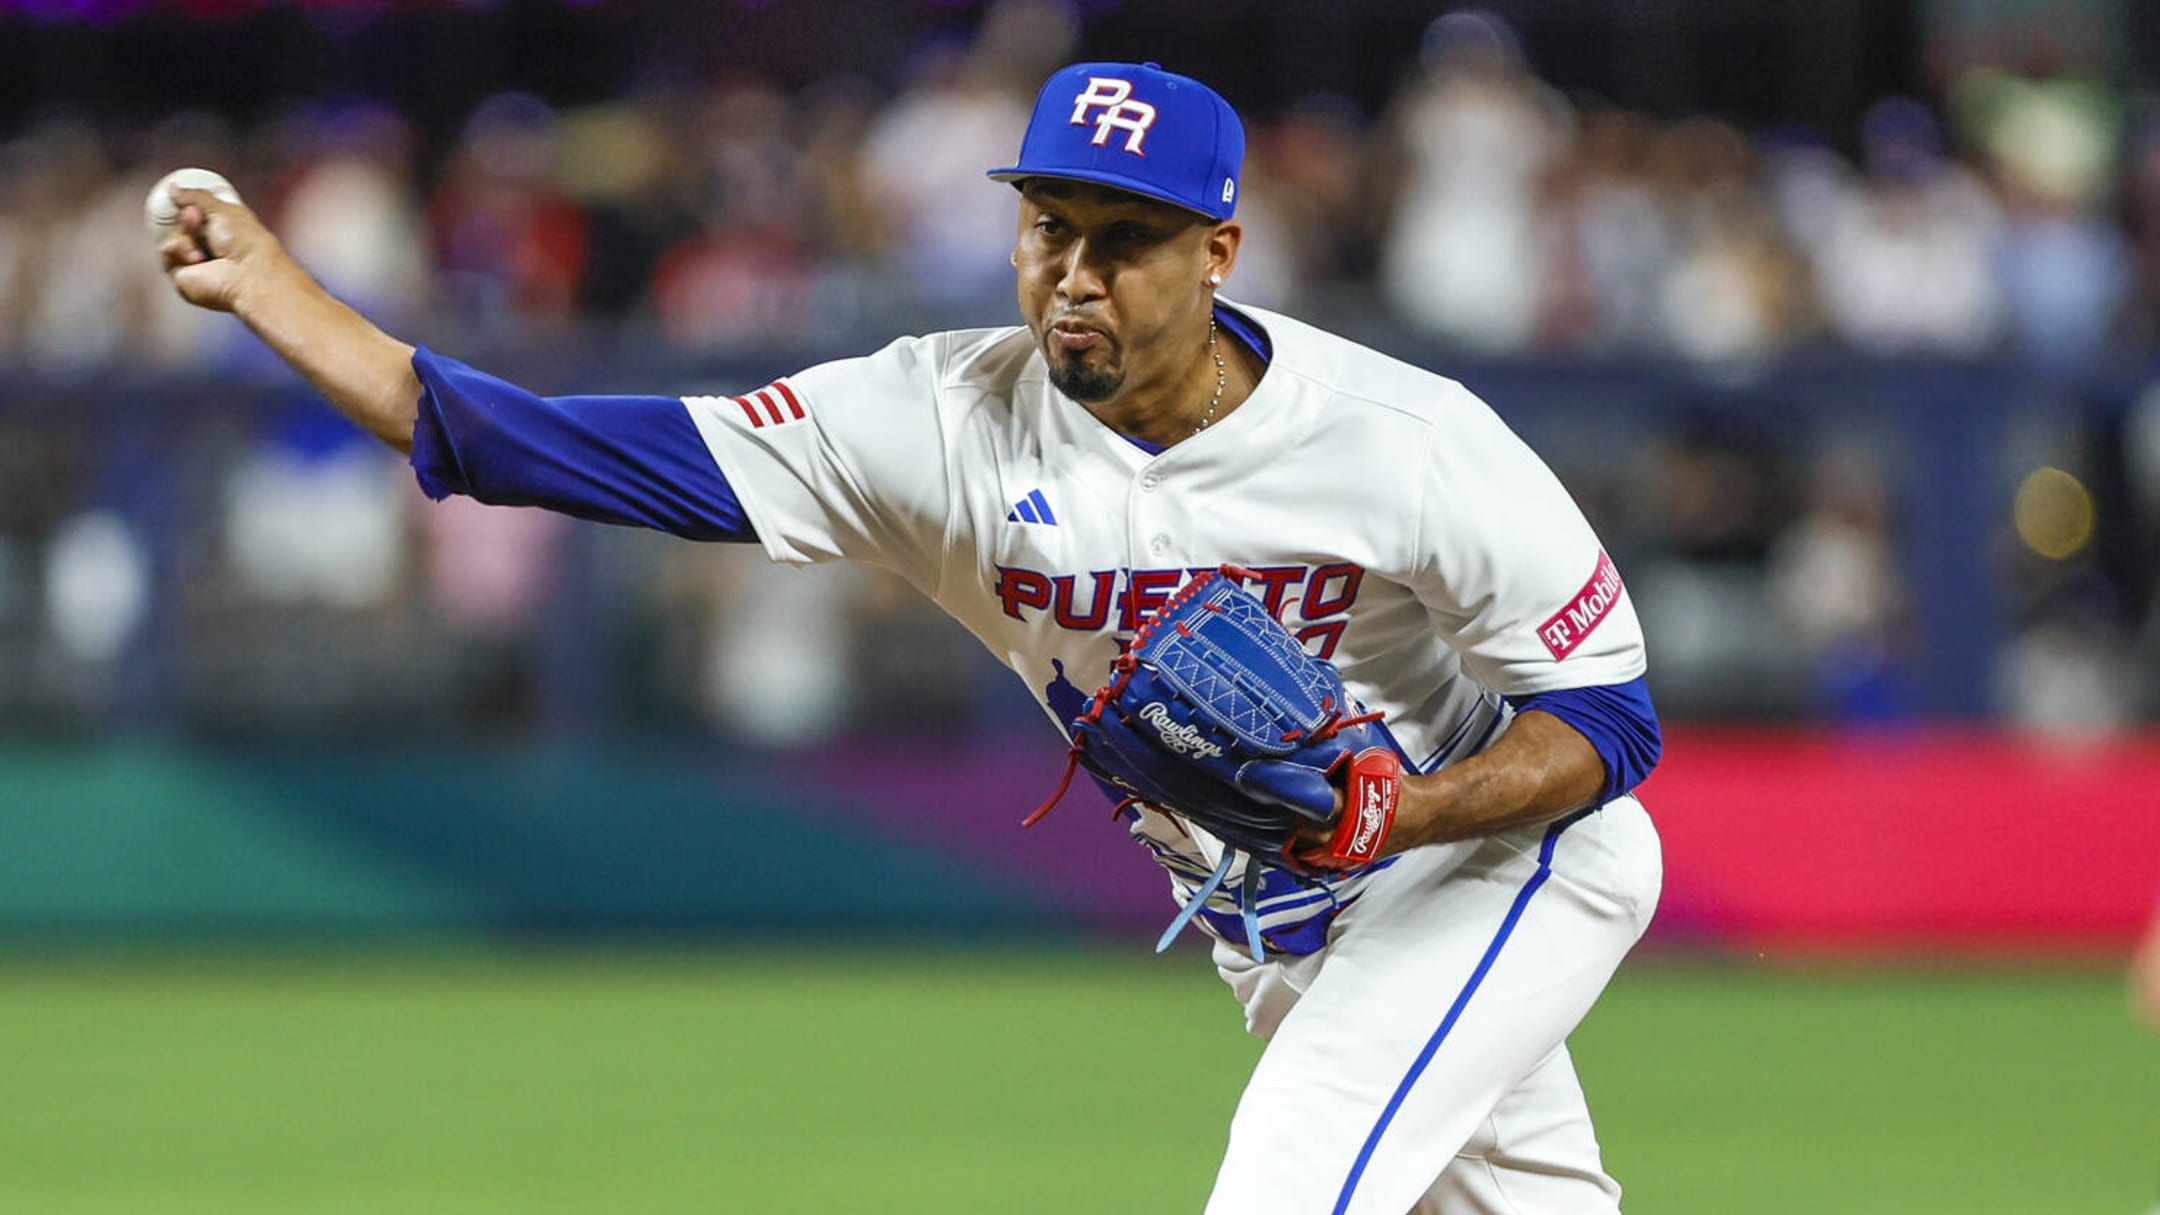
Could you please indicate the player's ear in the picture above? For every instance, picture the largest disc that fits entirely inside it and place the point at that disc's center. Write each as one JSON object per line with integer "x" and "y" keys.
{"x": 1222, "y": 249}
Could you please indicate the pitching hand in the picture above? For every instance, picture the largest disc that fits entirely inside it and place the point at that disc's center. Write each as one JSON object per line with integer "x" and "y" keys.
{"x": 219, "y": 252}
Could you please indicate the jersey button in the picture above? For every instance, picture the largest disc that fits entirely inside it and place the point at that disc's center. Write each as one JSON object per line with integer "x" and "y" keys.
{"x": 1150, "y": 481}
{"x": 1159, "y": 545}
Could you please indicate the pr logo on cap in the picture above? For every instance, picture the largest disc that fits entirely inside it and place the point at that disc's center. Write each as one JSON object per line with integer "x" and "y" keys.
{"x": 1118, "y": 111}
{"x": 1138, "y": 128}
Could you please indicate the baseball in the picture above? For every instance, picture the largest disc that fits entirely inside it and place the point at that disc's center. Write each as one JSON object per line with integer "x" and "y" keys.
{"x": 161, "y": 214}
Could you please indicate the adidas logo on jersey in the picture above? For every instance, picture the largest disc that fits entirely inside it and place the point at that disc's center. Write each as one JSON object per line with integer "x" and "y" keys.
{"x": 1032, "y": 509}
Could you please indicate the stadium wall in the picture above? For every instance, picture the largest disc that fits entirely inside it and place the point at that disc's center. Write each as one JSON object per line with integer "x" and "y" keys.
{"x": 1776, "y": 839}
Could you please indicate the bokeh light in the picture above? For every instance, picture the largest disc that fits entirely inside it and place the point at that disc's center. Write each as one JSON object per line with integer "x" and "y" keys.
{"x": 2054, "y": 513}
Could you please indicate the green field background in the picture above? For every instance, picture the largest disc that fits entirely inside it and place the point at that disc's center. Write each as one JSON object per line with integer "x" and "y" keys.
{"x": 1045, "y": 1081}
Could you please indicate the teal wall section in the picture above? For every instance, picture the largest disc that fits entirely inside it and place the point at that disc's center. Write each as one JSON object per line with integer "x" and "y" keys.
{"x": 150, "y": 840}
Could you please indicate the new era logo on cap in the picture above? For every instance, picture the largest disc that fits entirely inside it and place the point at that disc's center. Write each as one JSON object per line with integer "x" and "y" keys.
{"x": 1133, "y": 126}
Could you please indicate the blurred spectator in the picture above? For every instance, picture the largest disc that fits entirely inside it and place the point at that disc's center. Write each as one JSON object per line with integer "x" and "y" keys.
{"x": 1303, "y": 201}
{"x": 1611, "y": 239}
{"x": 491, "y": 571}
{"x": 1473, "y": 136}
{"x": 741, "y": 682}
{"x": 511, "y": 243}
{"x": 1907, "y": 260}
{"x": 836, "y": 119}
{"x": 1736, "y": 289}
{"x": 2052, "y": 145}
{"x": 947, "y": 227}
{"x": 491, "y": 568}
{"x": 1717, "y": 500}
{"x": 746, "y": 213}
{"x": 745, "y": 275}
{"x": 2066, "y": 674}
{"x": 1272, "y": 258}
{"x": 1507, "y": 219}
{"x": 635, "y": 183}
{"x": 314, "y": 513}
{"x": 1834, "y": 578}
{"x": 349, "y": 211}
{"x": 1808, "y": 183}
{"x": 97, "y": 587}
{"x": 68, "y": 228}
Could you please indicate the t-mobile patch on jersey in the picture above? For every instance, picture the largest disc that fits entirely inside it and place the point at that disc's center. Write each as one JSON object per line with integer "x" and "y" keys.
{"x": 1593, "y": 603}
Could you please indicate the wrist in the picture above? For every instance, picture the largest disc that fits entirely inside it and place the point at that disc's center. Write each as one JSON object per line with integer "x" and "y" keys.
{"x": 1421, "y": 818}
{"x": 273, "y": 286}
{"x": 1358, "y": 834}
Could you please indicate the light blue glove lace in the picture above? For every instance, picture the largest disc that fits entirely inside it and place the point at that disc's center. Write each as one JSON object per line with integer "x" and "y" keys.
{"x": 1248, "y": 903}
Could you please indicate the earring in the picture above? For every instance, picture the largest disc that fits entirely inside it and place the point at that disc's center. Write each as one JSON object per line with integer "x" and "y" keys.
{"x": 1013, "y": 257}
{"x": 1214, "y": 280}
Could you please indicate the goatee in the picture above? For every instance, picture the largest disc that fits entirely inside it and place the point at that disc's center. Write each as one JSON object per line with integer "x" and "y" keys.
{"x": 1084, "y": 384}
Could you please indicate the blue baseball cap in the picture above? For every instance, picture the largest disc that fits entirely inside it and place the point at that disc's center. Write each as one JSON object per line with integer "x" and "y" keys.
{"x": 1134, "y": 126}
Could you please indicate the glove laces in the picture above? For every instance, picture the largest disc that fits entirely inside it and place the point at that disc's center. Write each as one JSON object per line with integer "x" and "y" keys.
{"x": 1248, "y": 903}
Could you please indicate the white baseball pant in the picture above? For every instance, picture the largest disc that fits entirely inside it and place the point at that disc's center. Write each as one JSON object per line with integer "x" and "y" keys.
{"x": 1418, "y": 1062}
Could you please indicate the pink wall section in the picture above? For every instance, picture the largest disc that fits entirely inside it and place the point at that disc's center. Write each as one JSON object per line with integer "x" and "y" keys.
{"x": 1774, "y": 838}
{"x": 1932, "y": 837}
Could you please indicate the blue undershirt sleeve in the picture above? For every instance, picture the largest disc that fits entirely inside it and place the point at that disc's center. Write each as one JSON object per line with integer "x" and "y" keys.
{"x": 637, "y": 461}
{"x": 1619, "y": 721}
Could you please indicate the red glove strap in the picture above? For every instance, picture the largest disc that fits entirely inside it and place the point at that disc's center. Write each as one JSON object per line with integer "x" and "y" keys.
{"x": 1370, "y": 792}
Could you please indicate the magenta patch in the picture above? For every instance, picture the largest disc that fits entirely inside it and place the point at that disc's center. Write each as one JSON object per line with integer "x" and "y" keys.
{"x": 1593, "y": 603}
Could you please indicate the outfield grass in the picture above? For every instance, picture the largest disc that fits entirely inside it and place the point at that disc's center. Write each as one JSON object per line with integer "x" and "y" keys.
{"x": 997, "y": 1082}
{"x": 1998, "y": 1091}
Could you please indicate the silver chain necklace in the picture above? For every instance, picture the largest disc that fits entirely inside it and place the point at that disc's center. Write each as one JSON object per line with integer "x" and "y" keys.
{"x": 1222, "y": 377}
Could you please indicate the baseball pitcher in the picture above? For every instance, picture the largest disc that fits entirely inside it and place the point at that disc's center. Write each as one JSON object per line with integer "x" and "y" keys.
{"x": 1357, "y": 671}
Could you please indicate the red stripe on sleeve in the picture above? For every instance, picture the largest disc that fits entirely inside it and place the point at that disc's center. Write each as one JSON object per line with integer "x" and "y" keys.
{"x": 771, "y": 406}
{"x": 794, "y": 406}
{"x": 750, "y": 412}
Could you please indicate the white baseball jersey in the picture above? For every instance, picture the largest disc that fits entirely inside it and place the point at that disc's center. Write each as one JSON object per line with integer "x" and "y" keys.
{"x": 1402, "y": 532}
{"x": 1394, "y": 523}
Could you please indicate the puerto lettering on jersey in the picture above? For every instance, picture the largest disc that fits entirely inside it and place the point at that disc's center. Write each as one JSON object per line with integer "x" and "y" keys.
{"x": 1314, "y": 601}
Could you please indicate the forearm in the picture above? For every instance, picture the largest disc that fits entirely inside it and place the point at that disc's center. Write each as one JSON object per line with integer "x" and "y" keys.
{"x": 220, "y": 256}
{"x": 1540, "y": 769}
{"x": 364, "y": 372}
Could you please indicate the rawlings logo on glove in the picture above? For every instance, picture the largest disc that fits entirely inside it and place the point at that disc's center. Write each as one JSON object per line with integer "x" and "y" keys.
{"x": 1185, "y": 739}
{"x": 1245, "y": 736}
{"x": 1370, "y": 809}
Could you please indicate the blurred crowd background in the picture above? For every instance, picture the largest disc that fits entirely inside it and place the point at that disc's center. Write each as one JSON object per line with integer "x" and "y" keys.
{"x": 1840, "y": 320}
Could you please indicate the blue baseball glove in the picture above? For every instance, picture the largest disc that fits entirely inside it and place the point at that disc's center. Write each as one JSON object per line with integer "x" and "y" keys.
{"x": 1217, "y": 714}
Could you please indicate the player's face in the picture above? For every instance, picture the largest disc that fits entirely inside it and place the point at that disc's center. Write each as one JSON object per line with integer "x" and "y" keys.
{"x": 1113, "y": 286}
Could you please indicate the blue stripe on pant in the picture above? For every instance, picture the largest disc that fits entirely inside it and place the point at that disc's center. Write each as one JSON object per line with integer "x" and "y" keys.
{"x": 1455, "y": 1010}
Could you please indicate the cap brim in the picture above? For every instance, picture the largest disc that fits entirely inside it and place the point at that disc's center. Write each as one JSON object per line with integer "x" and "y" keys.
{"x": 1102, "y": 177}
